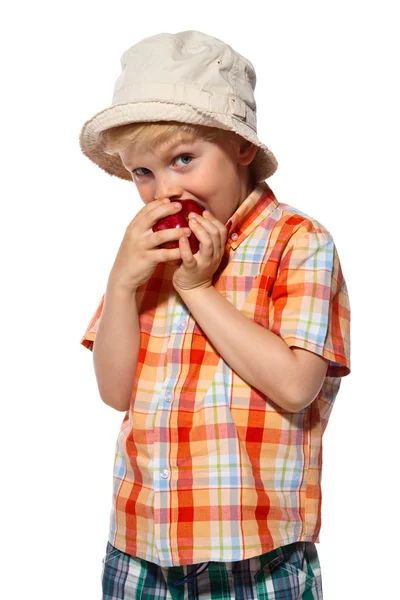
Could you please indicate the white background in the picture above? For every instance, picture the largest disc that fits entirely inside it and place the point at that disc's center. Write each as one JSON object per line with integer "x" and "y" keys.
{"x": 328, "y": 105}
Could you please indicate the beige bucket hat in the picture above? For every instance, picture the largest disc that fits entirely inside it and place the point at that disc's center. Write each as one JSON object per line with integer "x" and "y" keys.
{"x": 188, "y": 77}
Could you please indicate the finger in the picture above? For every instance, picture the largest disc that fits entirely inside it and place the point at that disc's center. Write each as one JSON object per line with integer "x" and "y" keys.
{"x": 221, "y": 228}
{"x": 207, "y": 241}
{"x": 158, "y": 210}
{"x": 215, "y": 232}
{"x": 223, "y": 232}
{"x": 167, "y": 237}
{"x": 186, "y": 252}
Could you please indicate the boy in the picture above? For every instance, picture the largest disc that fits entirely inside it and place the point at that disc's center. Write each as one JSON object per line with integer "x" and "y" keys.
{"x": 226, "y": 362}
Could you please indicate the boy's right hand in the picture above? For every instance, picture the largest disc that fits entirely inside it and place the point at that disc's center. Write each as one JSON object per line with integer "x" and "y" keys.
{"x": 138, "y": 254}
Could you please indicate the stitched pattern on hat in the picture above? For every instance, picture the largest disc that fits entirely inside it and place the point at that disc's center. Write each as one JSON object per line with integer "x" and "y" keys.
{"x": 233, "y": 74}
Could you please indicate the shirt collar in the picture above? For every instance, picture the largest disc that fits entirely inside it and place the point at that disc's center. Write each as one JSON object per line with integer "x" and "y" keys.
{"x": 254, "y": 209}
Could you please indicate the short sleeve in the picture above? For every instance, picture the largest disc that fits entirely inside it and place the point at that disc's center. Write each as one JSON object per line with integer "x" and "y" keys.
{"x": 309, "y": 303}
{"x": 90, "y": 333}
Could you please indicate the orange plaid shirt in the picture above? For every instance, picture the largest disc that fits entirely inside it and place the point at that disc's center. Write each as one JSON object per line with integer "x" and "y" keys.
{"x": 206, "y": 466}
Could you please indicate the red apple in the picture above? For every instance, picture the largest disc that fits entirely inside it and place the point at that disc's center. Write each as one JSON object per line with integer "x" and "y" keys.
{"x": 180, "y": 219}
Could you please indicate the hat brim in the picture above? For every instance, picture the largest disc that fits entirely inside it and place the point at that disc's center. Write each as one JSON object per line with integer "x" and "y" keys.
{"x": 264, "y": 163}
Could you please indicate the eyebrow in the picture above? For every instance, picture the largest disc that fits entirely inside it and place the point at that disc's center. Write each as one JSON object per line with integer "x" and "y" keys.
{"x": 175, "y": 143}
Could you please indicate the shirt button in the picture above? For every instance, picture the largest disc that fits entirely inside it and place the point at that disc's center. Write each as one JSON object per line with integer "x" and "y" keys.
{"x": 182, "y": 325}
{"x": 165, "y": 473}
{"x": 234, "y": 236}
{"x": 169, "y": 397}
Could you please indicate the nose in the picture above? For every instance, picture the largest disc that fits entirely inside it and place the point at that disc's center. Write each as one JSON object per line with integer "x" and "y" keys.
{"x": 168, "y": 187}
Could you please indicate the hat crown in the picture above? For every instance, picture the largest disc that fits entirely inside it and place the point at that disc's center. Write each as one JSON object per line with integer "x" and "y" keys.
{"x": 188, "y": 60}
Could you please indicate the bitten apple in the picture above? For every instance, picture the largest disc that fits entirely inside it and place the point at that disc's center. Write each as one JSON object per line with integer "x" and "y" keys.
{"x": 180, "y": 219}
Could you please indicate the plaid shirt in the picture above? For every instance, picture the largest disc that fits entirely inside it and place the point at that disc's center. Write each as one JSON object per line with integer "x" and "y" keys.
{"x": 206, "y": 466}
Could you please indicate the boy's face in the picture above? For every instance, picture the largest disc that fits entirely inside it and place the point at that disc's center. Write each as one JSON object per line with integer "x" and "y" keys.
{"x": 215, "y": 174}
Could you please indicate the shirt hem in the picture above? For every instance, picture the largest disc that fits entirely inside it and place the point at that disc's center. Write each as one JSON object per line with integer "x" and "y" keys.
{"x": 208, "y": 558}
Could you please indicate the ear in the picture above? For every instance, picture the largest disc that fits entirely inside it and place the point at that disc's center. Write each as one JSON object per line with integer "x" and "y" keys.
{"x": 246, "y": 152}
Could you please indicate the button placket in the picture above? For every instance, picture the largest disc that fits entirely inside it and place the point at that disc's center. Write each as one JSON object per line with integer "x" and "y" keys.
{"x": 161, "y": 465}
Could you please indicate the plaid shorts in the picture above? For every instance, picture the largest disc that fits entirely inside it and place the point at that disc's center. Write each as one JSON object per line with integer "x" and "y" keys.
{"x": 286, "y": 573}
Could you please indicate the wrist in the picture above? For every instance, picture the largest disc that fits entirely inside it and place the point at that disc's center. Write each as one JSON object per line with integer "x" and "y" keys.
{"x": 116, "y": 286}
{"x": 193, "y": 290}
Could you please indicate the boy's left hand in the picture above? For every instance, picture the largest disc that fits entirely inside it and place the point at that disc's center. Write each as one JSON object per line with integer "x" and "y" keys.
{"x": 196, "y": 271}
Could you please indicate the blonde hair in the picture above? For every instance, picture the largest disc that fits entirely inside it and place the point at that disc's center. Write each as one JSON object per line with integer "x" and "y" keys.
{"x": 157, "y": 133}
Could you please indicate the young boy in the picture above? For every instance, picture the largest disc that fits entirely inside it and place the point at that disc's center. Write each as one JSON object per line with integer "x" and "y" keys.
{"x": 226, "y": 362}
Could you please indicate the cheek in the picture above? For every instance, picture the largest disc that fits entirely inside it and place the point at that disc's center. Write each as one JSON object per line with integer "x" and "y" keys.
{"x": 210, "y": 175}
{"x": 223, "y": 171}
{"x": 146, "y": 195}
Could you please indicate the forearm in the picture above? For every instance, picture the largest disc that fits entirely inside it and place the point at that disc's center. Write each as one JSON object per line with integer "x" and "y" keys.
{"x": 258, "y": 356}
{"x": 116, "y": 347}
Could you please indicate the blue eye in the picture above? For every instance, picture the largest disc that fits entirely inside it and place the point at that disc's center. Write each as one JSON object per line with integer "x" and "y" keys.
{"x": 185, "y": 156}
{"x": 136, "y": 171}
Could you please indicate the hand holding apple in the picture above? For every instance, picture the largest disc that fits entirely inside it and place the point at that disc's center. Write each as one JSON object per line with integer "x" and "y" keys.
{"x": 197, "y": 271}
{"x": 180, "y": 219}
{"x": 139, "y": 252}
